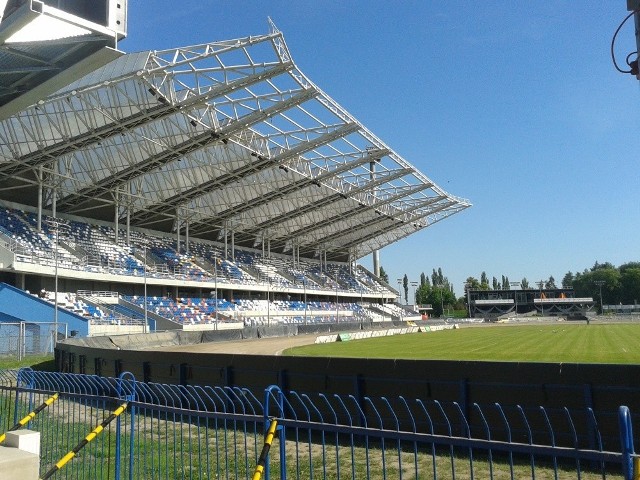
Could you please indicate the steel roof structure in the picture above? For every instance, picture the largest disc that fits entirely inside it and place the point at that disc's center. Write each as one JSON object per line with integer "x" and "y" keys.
{"x": 44, "y": 48}
{"x": 222, "y": 140}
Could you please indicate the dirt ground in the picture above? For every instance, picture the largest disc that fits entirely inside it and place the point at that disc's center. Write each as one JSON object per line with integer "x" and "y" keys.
{"x": 260, "y": 346}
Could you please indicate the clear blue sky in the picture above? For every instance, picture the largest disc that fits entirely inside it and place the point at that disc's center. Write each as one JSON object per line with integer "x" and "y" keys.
{"x": 513, "y": 105}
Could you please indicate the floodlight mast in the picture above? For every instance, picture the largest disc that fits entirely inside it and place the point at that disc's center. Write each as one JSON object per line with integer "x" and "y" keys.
{"x": 55, "y": 225}
{"x": 146, "y": 318}
{"x": 600, "y": 283}
{"x": 414, "y": 284}
{"x": 515, "y": 295}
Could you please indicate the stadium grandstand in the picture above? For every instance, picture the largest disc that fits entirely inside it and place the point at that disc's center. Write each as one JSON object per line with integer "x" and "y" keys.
{"x": 202, "y": 187}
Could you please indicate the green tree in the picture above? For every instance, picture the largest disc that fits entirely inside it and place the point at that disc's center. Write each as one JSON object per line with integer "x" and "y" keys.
{"x": 600, "y": 266}
{"x": 584, "y": 285}
{"x": 405, "y": 285}
{"x": 628, "y": 265}
{"x": 630, "y": 285}
{"x": 438, "y": 297}
{"x": 484, "y": 281}
{"x": 422, "y": 293}
{"x": 496, "y": 284}
{"x": 567, "y": 280}
{"x": 471, "y": 283}
{"x": 383, "y": 275}
{"x": 524, "y": 283}
{"x": 551, "y": 283}
{"x": 424, "y": 279}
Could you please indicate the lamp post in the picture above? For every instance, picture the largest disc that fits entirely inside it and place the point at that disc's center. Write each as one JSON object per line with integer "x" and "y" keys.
{"x": 337, "y": 311}
{"x": 55, "y": 297}
{"x": 269, "y": 303}
{"x": 215, "y": 279}
{"x": 541, "y": 284}
{"x": 415, "y": 286}
{"x": 361, "y": 308}
{"x": 515, "y": 295}
{"x": 304, "y": 285}
{"x": 146, "y": 319}
{"x": 600, "y": 283}
{"x": 55, "y": 225}
{"x": 440, "y": 287}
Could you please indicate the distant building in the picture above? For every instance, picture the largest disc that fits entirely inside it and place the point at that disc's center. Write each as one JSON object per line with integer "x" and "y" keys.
{"x": 491, "y": 304}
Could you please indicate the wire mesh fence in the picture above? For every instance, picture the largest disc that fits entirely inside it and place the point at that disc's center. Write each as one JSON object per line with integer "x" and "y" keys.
{"x": 23, "y": 339}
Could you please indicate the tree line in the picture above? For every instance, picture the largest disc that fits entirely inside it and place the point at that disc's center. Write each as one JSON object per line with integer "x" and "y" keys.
{"x": 618, "y": 285}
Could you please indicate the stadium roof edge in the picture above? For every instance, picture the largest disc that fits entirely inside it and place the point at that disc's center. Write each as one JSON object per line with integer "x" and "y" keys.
{"x": 265, "y": 128}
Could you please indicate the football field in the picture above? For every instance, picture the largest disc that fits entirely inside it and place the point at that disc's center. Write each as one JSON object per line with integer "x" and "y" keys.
{"x": 565, "y": 342}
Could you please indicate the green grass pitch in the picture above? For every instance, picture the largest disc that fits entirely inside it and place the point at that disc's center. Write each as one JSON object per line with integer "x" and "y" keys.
{"x": 560, "y": 342}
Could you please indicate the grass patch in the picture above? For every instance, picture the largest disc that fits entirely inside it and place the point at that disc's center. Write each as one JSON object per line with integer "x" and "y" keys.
{"x": 43, "y": 363}
{"x": 561, "y": 342}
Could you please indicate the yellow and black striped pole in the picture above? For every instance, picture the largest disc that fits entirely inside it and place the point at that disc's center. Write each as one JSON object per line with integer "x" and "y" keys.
{"x": 31, "y": 416}
{"x": 268, "y": 439}
{"x": 94, "y": 433}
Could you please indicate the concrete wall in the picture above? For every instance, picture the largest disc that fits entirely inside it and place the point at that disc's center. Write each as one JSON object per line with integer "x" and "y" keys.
{"x": 575, "y": 386}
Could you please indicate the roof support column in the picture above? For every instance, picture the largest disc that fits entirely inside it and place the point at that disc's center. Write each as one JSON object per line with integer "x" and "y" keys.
{"x": 128, "y": 225}
{"x": 116, "y": 221}
{"x": 186, "y": 236}
{"x": 178, "y": 232}
{"x": 233, "y": 246}
{"x": 269, "y": 248}
{"x": 375, "y": 253}
{"x": 54, "y": 190}
{"x": 40, "y": 187}
{"x": 225, "y": 244}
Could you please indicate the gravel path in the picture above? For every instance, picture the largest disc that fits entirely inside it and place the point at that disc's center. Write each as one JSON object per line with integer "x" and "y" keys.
{"x": 259, "y": 346}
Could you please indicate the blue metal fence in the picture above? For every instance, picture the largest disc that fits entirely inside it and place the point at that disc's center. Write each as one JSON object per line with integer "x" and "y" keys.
{"x": 202, "y": 432}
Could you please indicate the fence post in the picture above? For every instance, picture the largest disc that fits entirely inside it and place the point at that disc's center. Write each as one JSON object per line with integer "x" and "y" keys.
{"x": 25, "y": 380}
{"x": 626, "y": 442}
{"x": 273, "y": 391}
{"x": 21, "y": 341}
{"x": 128, "y": 396}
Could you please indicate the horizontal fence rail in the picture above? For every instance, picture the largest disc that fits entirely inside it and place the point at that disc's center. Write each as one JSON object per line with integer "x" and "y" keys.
{"x": 171, "y": 431}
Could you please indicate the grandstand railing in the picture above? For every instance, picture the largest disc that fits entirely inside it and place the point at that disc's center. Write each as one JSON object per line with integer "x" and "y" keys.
{"x": 198, "y": 432}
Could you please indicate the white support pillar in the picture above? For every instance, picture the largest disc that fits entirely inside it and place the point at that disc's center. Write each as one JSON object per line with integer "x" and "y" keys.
{"x": 54, "y": 190}
{"x": 40, "y": 187}
{"x": 128, "y": 225}
{"x": 186, "y": 237}
{"x": 116, "y": 222}
{"x": 226, "y": 247}
{"x": 233, "y": 246}
{"x": 178, "y": 233}
{"x": 375, "y": 253}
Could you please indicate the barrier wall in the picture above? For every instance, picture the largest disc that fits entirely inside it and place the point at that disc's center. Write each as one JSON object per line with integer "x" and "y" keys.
{"x": 602, "y": 388}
